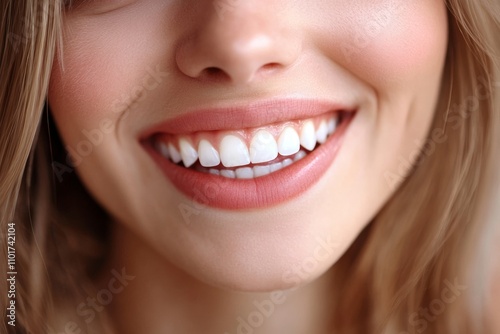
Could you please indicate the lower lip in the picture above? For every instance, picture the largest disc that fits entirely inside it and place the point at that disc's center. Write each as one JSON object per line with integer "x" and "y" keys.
{"x": 235, "y": 194}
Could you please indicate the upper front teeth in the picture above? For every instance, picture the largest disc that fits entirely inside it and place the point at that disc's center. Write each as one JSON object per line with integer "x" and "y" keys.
{"x": 209, "y": 157}
{"x": 188, "y": 153}
{"x": 322, "y": 132}
{"x": 288, "y": 142}
{"x": 233, "y": 152}
{"x": 263, "y": 147}
{"x": 174, "y": 154}
{"x": 308, "y": 136}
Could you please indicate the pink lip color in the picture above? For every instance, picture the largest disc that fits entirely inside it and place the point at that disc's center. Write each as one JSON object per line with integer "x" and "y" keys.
{"x": 233, "y": 194}
{"x": 251, "y": 115}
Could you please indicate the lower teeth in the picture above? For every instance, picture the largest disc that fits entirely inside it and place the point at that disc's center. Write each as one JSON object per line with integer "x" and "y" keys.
{"x": 250, "y": 172}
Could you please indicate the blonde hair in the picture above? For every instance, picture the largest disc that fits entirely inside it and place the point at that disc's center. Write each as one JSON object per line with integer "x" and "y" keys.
{"x": 29, "y": 32}
{"x": 422, "y": 240}
{"x": 433, "y": 221}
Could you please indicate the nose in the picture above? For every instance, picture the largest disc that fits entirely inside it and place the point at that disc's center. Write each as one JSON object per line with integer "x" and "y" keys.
{"x": 238, "y": 45}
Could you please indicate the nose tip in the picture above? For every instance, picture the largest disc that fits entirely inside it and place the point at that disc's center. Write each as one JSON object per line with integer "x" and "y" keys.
{"x": 237, "y": 49}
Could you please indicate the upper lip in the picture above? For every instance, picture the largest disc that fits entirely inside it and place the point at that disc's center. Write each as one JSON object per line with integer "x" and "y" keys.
{"x": 250, "y": 115}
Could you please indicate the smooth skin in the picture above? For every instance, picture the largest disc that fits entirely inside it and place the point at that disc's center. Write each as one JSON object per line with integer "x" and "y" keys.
{"x": 190, "y": 274}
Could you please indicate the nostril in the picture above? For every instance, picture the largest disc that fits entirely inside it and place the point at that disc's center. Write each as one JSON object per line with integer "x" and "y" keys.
{"x": 217, "y": 74}
{"x": 270, "y": 68}
{"x": 214, "y": 73}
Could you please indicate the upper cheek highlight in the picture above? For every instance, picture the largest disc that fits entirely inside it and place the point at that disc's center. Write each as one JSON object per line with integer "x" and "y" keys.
{"x": 86, "y": 90}
{"x": 75, "y": 92}
{"x": 408, "y": 46}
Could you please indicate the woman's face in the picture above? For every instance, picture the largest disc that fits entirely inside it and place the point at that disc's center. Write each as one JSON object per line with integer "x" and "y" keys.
{"x": 244, "y": 94}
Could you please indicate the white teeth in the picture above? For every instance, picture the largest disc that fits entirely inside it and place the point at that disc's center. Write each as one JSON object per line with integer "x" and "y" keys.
{"x": 209, "y": 157}
{"x": 322, "y": 132}
{"x": 228, "y": 173}
{"x": 263, "y": 147}
{"x": 162, "y": 148}
{"x": 308, "y": 136}
{"x": 174, "y": 154}
{"x": 287, "y": 162}
{"x": 276, "y": 167}
{"x": 288, "y": 142}
{"x": 244, "y": 173}
{"x": 188, "y": 153}
{"x": 261, "y": 170}
{"x": 300, "y": 155}
{"x": 332, "y": 125}
{"x": 234, "y": 152}
{"x": 214, "y": 171}
{"x": 256, "y": 171}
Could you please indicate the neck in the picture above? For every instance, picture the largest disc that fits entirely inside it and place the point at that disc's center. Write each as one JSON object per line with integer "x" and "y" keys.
{"x": 158, "y": 297}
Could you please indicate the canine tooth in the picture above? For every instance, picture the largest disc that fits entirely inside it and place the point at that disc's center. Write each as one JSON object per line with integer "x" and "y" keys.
{"x": 300, "y": 155}
{"x": 308, "y": 136}
{"x": 263, "y": 147}
{"x": 261, "y": 170}
{"x": 332, "y": 125}
{"x": 174, "y": 154}
{"x": 234, "y": 152}
{"x": 287, "y": 162}
{"x": 188, "y": 153}
{"x": 276, "y": 167}
{"x": 214, "y": 171}
{"x": 322, "y": 132}
{"x": 288, "y": 142}
{"x": 162, "y": 148}
{"x": 244, "y": 173}
{"x": 228, "y": 173}
{"x": 209, "y": 157}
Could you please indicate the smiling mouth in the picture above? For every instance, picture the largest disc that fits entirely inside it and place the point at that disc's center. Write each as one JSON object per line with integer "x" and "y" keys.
{"x": 249, "y": 157}
{"x": 248, "y": 153}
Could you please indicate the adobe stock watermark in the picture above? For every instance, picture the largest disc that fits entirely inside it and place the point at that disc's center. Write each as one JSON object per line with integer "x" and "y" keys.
{"x": 95, "y": 137}
{"x": 202, "y": 197}
{"x": 368, "y": 32}
{"x": 223, "y": 6}
{"x": 43, "y": 12}
{"x": 420, "y": 319}
{"x": 264, "y": 309}
{"x": 457, "y": 115}
{"x": 88, "y": 309}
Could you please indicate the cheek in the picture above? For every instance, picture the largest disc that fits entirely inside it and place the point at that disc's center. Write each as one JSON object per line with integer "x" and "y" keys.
{"x": 386, "y": 43}
{"x": 79, "y": 94}
{"x": 100, "y": 75}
